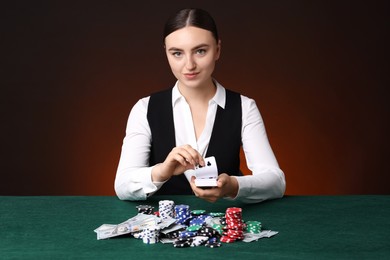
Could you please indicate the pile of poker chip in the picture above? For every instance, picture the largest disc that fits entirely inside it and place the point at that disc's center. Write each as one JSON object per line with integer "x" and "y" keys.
{"x": 234, "y": 226}
{"x": 197, "y": 235}
{"x": 197, "y": 227}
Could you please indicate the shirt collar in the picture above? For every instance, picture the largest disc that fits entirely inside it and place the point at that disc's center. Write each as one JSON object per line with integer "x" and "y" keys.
{"x": 219, "y": 97}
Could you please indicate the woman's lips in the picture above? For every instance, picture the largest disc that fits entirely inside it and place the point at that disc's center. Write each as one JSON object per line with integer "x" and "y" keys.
{"x": 191, "y": 75}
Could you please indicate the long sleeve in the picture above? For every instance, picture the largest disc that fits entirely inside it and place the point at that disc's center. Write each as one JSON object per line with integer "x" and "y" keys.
{"x": 267, "y": 180}
{"x": 133, "y": 178}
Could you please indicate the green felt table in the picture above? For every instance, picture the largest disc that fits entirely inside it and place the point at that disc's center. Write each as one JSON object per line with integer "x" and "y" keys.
{"x": 310, "y": 227}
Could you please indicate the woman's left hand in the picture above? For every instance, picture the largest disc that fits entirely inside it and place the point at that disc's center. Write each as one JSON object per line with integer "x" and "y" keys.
{"x": 227, "y": 186}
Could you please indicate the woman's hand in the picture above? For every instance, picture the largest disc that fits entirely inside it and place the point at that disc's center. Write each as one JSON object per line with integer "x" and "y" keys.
{"x": 179, "y": 160}
{"x": 227, "y": 186}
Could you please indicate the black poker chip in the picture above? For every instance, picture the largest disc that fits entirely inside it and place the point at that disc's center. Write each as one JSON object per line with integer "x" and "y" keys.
{"x": 180, "y": 243}
{"x": 213, "y": 245}
{"x": 145, "y": 209}
{"x": 208, "y": 231}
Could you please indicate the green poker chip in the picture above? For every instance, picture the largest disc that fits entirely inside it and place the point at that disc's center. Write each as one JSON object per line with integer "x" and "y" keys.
{"x": 194, "y": 228}
{"x": 217, "y": 214}
{"x": 198, "y": 211}
{"x": 218, "y": 228}
{"x": 253, "y": 227}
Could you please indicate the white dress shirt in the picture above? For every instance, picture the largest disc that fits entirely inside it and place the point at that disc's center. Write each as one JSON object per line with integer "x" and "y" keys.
{"x": 133, "y": 178}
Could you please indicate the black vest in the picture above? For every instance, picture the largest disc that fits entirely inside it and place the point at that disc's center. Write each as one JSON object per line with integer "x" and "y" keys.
{"x": 224, "y": 144}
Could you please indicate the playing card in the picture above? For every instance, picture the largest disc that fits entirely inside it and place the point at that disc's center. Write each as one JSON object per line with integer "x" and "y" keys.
{"x": 207, "y": 175}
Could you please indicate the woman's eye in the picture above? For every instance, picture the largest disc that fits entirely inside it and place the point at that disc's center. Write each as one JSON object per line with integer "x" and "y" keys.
{"x": 176, "y": 54}
{"x": 201, "y": 51}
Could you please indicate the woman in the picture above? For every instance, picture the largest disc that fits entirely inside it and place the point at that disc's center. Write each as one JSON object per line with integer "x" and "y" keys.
{"x": 171, "y": 132}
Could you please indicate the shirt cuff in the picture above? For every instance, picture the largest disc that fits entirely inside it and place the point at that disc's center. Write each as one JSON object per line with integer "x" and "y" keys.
{"x": 152, "y": 186}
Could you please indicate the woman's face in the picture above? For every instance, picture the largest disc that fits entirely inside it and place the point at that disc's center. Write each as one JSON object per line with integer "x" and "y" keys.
{"x": 192, "y": 53}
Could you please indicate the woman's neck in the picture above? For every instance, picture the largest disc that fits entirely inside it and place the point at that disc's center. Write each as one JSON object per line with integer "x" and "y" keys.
{"x": 198, "y": 94}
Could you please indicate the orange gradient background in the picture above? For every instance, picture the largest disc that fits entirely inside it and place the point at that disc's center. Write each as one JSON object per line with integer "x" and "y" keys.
{"x": 317, "y": 70}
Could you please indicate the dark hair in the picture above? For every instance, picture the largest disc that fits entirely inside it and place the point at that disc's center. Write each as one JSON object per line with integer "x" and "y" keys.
{"x": 191, "y": 17}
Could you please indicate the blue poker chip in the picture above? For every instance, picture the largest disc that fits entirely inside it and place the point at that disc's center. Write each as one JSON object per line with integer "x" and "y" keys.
{"x": 184, "y": 234}
{"x": 212, "y": 240}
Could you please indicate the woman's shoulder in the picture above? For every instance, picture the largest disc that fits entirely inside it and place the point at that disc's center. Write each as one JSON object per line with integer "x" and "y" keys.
{"x": 161, "y": 94}
{"x": 144, "y": 101}
{"x": 245, "y": 100}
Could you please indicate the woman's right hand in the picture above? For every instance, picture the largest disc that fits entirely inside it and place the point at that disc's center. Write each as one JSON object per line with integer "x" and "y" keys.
{"x": 179, "y": 160}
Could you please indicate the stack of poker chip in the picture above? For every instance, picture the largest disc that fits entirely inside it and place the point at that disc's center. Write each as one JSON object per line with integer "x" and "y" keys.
{"x": 150, "y": 235}
{"x": 198, "y": 220}
{"x": 202, "y": 236}
{"x": 166, "y": 209}
{"x": 253, "y": 227}
{"x": 145, "y": 209}
{"x": 212, "y": 235}
{"x": 234, "y": 226}
{"x": 182, "y": 214}
{"x": 184, "y": 239}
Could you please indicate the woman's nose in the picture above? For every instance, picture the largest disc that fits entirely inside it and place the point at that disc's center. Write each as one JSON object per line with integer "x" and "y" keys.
{"x": 190, "y": 63}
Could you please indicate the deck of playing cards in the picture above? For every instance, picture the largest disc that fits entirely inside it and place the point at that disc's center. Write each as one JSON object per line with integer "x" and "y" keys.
{"x": 207, "y": 175}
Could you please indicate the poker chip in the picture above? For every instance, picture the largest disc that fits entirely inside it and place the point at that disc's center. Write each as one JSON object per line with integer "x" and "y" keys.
{"x": 213, "y": 245}
{"x": 138, "y": 235}
{"x": 227, "y": 239}
{"x": 199, "y": 240}
{"x": 253, "y": 227}
{"x": 180, "y": 243}
{"x": 187, "y": 234}
{"x": 145, "y": 209}
{"x": 198, "y": 220}
{"x": 182, "y": 214}
{"x": 208, "y": 231}
{"x": 212, "y": 240}
{"x": 198, "y": 212}
{"x": 192, "y": 228}
{"x": 166, "y": 209}
{"x": 217, "y": 214}
{"x": 173, "y": 234}
{"x": 234, "y": 225}
{"x": 150, "y": 235}
{"x": 218, "y": 228}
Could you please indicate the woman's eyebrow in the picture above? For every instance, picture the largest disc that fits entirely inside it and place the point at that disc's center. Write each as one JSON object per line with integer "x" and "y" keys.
{"x": 174, "y": 49}
{"x": 203, "y": 45}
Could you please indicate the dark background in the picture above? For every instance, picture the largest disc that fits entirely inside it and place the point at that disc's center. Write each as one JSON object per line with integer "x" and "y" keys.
{"x": 72, "y": 70}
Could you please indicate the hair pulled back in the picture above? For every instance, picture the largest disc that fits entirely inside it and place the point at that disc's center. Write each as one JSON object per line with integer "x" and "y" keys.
{"x": 191, "y": 17}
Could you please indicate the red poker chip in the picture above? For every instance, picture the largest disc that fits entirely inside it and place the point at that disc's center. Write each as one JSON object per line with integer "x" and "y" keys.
{"x": 233, "y": 209}
{"x": 230, "y": 232}
{"x": 226, "y": 239}
{"x": 236, "y": 226}
{"x": 236, "y": 237}
{"x": 233, "y": 216}
{"x": 232, "y": 235}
